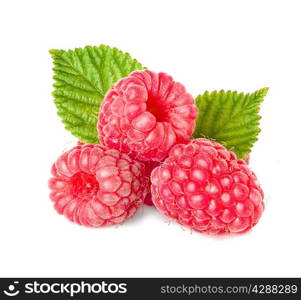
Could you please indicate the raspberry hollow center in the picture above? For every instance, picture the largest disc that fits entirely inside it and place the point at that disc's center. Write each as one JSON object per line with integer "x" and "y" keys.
{"x": 84, "y": 184}
{"x": 157, "y": 108}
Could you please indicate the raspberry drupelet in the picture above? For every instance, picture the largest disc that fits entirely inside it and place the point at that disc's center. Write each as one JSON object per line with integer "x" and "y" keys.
{"x": 95, "y": 186}
{"x": 145, "y": 114}
{"x": 204, "y": 186}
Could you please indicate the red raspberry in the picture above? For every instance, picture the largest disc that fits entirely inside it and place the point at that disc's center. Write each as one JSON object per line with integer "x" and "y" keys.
{"x": 205, "y": 187}
{"x": 146, "y": 114}
{"x": 94, "y": 186}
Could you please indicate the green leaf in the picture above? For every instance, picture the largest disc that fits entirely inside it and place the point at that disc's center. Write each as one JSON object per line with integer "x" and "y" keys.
{"x": 230, "y": 118}
{"x": 82, "y": 78}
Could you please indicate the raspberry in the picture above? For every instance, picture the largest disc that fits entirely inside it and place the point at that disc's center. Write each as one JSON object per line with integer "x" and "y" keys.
{"x": 146, "y": 114}
{"x": 205, "y": 187}
{"x": 94, "y": 186}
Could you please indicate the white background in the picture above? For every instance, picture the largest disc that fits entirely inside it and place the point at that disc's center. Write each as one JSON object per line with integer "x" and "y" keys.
{"x": 206, "y": 45}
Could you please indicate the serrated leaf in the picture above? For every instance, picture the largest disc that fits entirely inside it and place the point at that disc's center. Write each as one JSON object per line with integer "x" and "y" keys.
{"x": 230, "y": 118}
{"x": 82, "y": 78}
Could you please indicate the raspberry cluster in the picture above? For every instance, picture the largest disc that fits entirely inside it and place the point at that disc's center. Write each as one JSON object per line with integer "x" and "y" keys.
{"x": 146, "y": 114}
{"x": 204, "y": 186}
{"x": 147, "y": 157}
{"x": 95, "y": 186}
